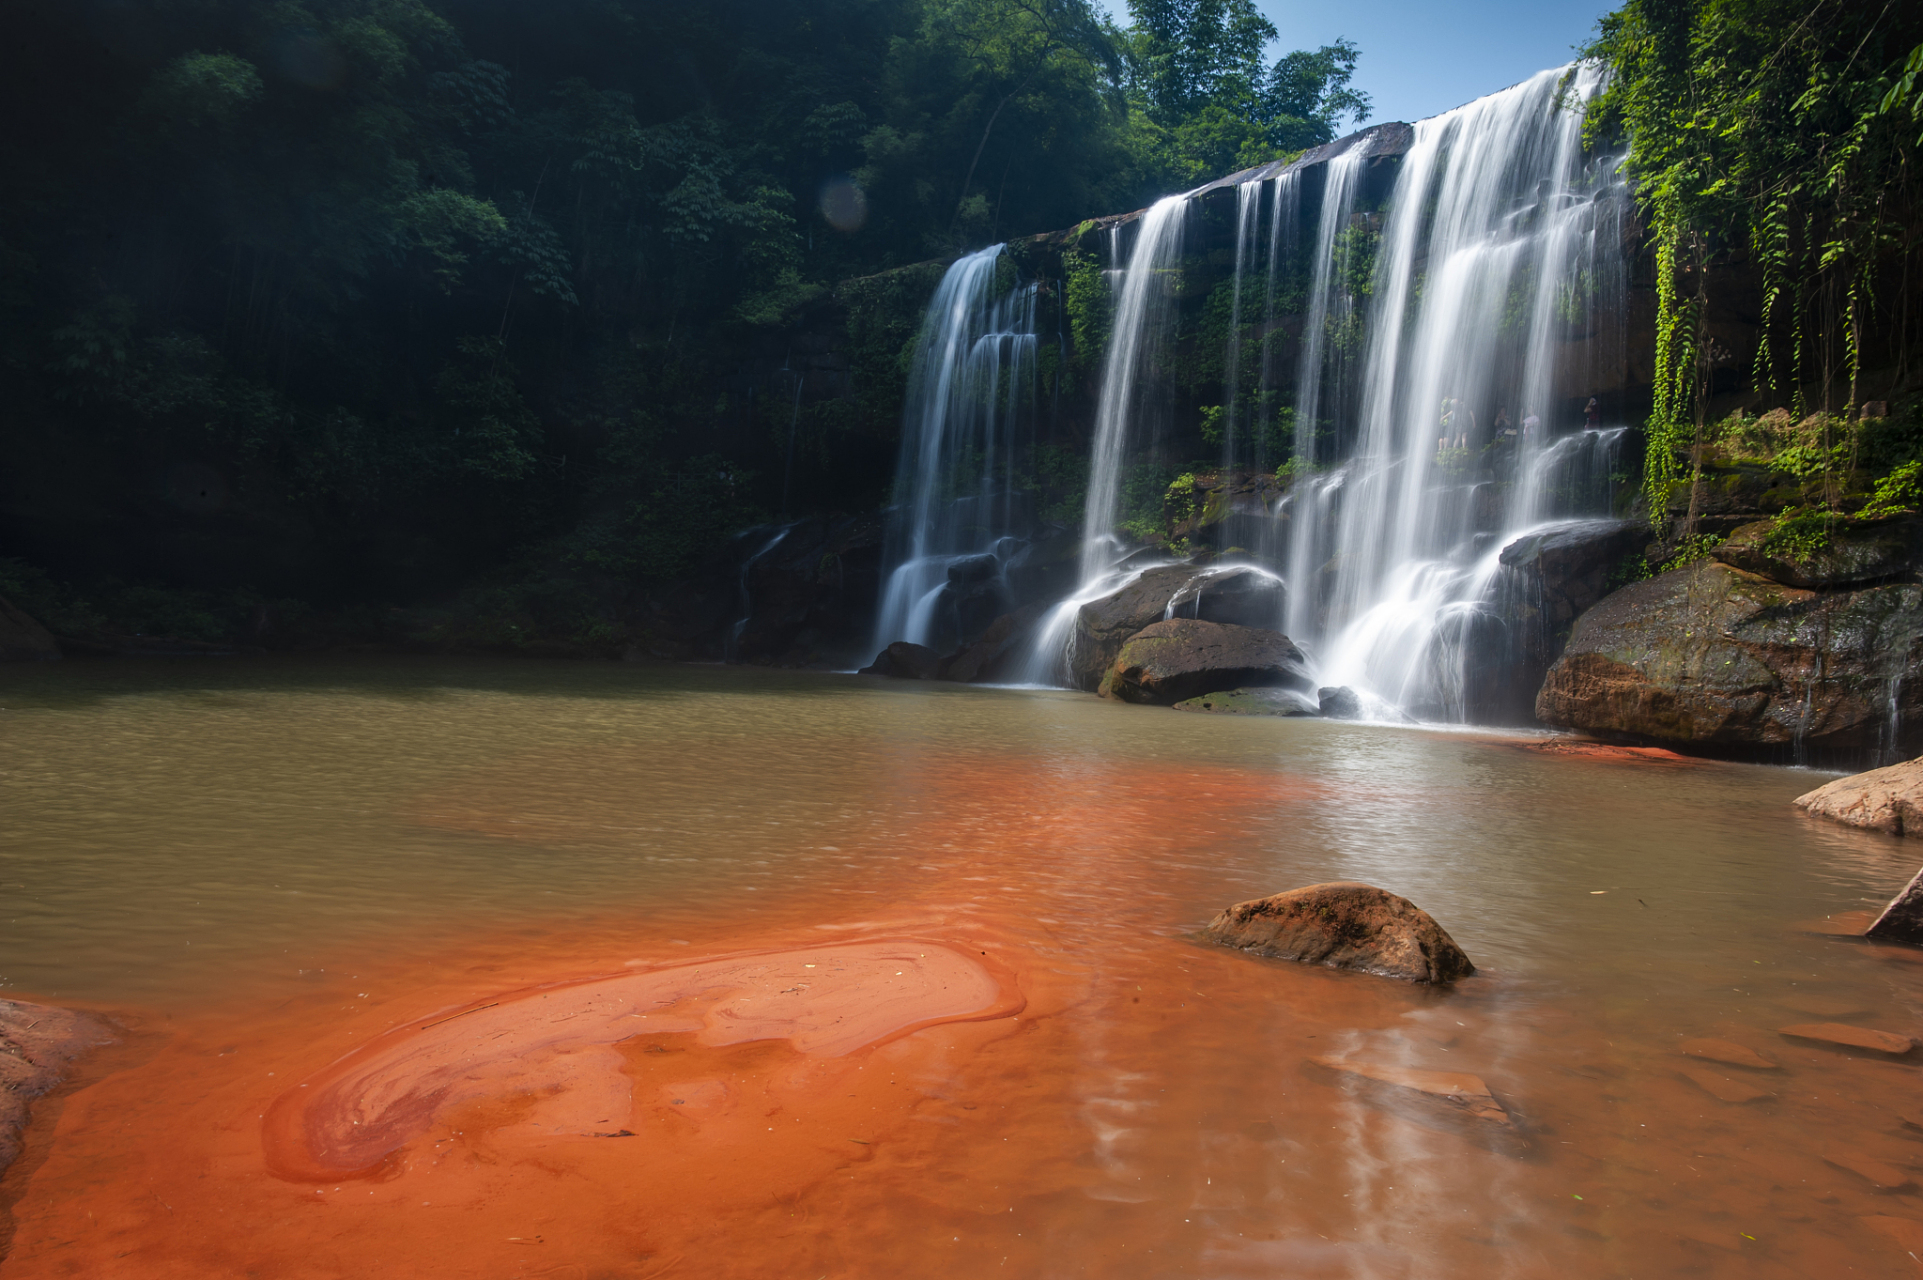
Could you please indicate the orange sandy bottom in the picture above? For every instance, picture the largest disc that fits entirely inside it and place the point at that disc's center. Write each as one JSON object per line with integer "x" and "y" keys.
{"x": 1015, "y": 1068}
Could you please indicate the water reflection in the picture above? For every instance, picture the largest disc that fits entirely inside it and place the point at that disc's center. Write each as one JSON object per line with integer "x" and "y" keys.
{"x": 291, "y": 856}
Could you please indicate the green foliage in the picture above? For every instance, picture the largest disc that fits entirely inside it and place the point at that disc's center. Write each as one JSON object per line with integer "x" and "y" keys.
{"x": 1897, "y": 493}
{"x": 1770, "y": 124}
{"x": 1800, "y": 535}
{"x": 1091, "y": 308}
{"x": 1693, "y": 549}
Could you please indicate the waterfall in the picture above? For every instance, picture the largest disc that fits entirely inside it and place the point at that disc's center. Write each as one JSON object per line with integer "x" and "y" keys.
{"x": 1500, "y": 243}
{"x": 961, "y": 511}
{"x": 1248, "y": 198}
{"x": 1285, "y": 205}
{"x": 1127, "y": 409}
{"x": 1129, "y": 377}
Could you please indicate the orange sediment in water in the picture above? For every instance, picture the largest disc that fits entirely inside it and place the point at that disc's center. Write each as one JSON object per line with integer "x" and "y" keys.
{"x": 1008, "y": 1058}
{"x": 560, "y": 1043}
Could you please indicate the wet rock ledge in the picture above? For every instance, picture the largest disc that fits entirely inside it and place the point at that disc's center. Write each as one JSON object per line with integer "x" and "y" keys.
{"x": 38, "y": 1045}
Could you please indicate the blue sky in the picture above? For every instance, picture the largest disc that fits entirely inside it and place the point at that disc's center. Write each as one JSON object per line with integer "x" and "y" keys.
{"x": 1419, "y": 58}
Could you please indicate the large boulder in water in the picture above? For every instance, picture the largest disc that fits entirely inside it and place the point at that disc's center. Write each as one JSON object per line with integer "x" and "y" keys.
{"x": 1344, "y": 925}
{"x": 1238, "y": 594}
{"x": 1180, "y": 658}
{"x": 905, "y": 661}
{"x": 1103, "y": 626}
{"x": 1000, "y": 646}
{"x": 22, "y": 639}
{"x": 1889, "y": 799}
{"x": 1715, "y": 656}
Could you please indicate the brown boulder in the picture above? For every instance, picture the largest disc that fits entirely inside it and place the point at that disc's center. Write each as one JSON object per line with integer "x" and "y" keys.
{"x": 37, "y": 1045}
{"x": 1713, "y": 655}
{"x": 990, "y": 657}
{"x": 905, "y": 661}
{"x": 1344, "y": 925}
{"x": 1888, "y": 799}
{"x": 1103, "y": 626}
{"x": 1902, "y": 920}
{"x": 1180, "y": 658}
{"x": 22, "y": 639}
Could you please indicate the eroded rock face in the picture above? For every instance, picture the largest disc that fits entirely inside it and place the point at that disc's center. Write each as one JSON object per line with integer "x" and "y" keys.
{"x": 38, "y": 1044}
{"x": 1180, "y": 658}
{"x": 990, "y": 657}
{"x": 1242, "y": 596}
{"x": 22, "y": 639}
{"x": 905, "y": 661}
{"x": 1714, "y": 655}
{"x": 1856, "y": 554}
{"x": 1103, "y": 626}
{"x": 1889, "y": 799}
{"x": 1345, "y": 925}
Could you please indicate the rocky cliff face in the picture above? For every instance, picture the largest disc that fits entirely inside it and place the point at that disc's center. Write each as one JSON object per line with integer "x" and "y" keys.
{"x": 1715, "y": 655}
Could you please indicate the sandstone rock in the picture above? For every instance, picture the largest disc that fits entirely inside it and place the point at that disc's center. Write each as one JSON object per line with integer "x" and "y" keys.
{"x": 1712, "y": 655}
{"x": 1885, "y": 1177}
{"x": 905, "y": 661}
{"x": 1724, "y": 1051}
{"x": 1240, "y": 595}
{"x": 1857, "y": 553}
{"x": 1344, "y": 925}
{"x": 1722, "y": 1087}
{"x": 989, "y": 657}
{"x": 1252, "y": 702}
{"x": 38, "y": 1043}
{"x": 1841, "y": 1033}
{"x": 1179, "y": 658}
{"x": 22, "y": 639}
{"x": 1338, "y": 703}
{"x": 1459, "y": 1090}
{"x": 1103, "y": 626}
{"x": 1888, "y": 799}
{"x": 1902, "y": 920}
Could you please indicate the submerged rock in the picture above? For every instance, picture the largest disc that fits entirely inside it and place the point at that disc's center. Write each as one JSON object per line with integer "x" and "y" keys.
{"x": 22, "y": 639}
{"x": 1721, "y": 1087}
{"x": 1344, "y": 925}
{"x": 38, "y": 1044}
{"x": 1716, "y": 656}
{"x": 1180, "y": 658}
{"x": 1252, "y": 702}
{"x": 1841, "y": 1033}
{"x": 1338, "y": 703}
{"x": 1458, "y": 1089}
{"x": 905, "y": 661}
{"x": 1888, "y": 799}
{"x": 1725, "y": 1051}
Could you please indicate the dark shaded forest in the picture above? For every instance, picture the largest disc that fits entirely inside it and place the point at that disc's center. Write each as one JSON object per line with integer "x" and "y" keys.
{"x": 313, "y": 308}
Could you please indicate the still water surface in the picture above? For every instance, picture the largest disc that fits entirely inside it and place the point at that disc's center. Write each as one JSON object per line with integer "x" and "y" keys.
{"x": 257, "y": 866}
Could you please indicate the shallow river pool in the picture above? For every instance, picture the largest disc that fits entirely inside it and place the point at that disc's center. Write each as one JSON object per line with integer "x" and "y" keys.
{"x": 451, "y": 968}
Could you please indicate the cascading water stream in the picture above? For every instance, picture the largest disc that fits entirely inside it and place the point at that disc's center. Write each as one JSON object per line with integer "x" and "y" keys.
{"x": 963, "y": 429}
{"x": 1499, "y": 243}
{"x": 1130, "y": 387}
